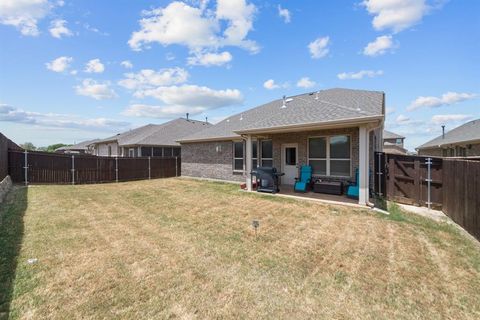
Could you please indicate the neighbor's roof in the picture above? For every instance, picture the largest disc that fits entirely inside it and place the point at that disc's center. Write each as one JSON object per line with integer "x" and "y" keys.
{"x": 165, "y": 134}
{"x": 469, "y": 131}
{"x": 310, "y": 108}
{"x": 79, "y": 146}
{"x": 391, "y": 135}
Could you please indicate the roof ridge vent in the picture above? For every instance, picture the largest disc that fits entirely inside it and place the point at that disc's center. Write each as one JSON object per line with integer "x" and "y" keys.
{"x": 284, "y": 105}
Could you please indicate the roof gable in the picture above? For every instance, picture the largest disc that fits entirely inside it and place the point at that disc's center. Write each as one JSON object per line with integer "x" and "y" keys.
{"x": 469, "y": 131}
{"x": 322, "y": 107}
{"x": 165, "y": 134}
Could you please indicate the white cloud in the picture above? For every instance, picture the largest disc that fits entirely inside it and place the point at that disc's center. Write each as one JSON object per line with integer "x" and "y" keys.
{"x": 149, "y": 79}
{"x": 161, "y": 112}
{"x": 25, "y": 14}
{"x": 197, "y": 27}
{"x": 305, "y": 82}
{"x": 126, "y": 64}
{"x": 58, "y": 29}
{"x": 17, "y": 115}
{"x": 378, "y": 47}
{"x": 271, "y": 84}
{"x": 284, "y": 13}
{"x": 390, "y": 110}
{"x": 209, "y": 59}
{"x": 178, "y": 100}
{"x": 193, "y": 96}
{"x": 94, "y": 66}
{"x": 445, "y": 118}
{"x": 170, "y": 56}
{"x": 448, "y": 98}
{"x": 96, "y": 90}
{"x": 60, "y": 64}
{"x": 402, "y": 119}
{"x": 396, "y": 15}
{"x": 359, "y": 75}
{"x": 319, "y": 47}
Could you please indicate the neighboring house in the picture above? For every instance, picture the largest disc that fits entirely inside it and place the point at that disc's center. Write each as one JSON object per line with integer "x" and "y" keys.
{"x": 393, "y": 143}
{"x": 79, "y": 148}
{"x": 155, "y": 140}
{"x": 463, "y": 141}
{"x": 335, "y": 131}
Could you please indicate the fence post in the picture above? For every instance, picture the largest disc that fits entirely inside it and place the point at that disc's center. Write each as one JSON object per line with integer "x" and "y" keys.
{"x": 428, "y": 162}
{"x": 149, "y": 169}
{"x": 73, "y": 169}
{"x": 116, "y": 169}
{"x": 176, "y": 166}
{"x": 26, "y": 167}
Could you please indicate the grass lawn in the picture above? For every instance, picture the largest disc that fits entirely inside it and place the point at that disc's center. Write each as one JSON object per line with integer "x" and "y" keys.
{"x": 177, "y": 248}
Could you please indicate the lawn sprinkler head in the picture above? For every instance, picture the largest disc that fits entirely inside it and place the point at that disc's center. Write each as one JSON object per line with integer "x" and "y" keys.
{"x": 255, "y": 225}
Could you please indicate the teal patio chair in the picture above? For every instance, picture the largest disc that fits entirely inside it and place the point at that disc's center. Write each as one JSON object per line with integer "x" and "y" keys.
{"x": 353, "y": 190}
{"x": 303, "y": 181}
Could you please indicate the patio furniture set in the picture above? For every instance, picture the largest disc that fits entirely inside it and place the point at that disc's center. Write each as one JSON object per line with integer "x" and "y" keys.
{"x": 267, "y": 180}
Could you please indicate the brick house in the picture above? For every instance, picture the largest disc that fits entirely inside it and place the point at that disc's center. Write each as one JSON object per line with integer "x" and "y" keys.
{"x": 155, "y": 140}
{"x": 393, "y": 143}
{"x": 336, "y": 131}
{"x": 463, "y": 141}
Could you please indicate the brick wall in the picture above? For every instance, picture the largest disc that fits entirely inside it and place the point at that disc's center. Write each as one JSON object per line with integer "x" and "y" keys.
{"x": 214, "y": 159}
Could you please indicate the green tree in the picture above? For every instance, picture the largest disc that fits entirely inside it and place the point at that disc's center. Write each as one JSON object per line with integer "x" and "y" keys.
{"x": 28, "y": 146}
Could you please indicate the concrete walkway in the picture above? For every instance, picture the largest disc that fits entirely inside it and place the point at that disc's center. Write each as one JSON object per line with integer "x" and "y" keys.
{"x": 436, "y": 215}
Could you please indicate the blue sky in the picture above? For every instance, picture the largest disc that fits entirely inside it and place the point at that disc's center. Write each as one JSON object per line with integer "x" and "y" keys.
{"x": 76, "y": 70}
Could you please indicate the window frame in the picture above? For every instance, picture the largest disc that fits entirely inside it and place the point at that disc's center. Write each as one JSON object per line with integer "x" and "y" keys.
{"x": 327, "y": 155}
{"x": 238, "y": 158}
{"x": 255, "y": 159}
{"x": 260, "y": 152}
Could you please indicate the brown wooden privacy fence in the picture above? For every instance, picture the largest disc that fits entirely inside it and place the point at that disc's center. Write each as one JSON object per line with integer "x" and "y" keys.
{"x": 44, "y": 168}
{"x": 452, "y": 184}
{"x": 5, "y": 144}
{"x": 461, "y": 196}
{"x": 414, "y": 180}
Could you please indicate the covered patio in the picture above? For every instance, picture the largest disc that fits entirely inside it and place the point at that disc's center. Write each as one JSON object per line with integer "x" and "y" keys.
{"x": 292, "y": 148}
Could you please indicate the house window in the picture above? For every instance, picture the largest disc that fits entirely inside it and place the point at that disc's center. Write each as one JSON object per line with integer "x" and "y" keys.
{"x": 460, "y": 152}
{"x": 146, "y": 151}
{"x": 330, "y": 156}
{"x": 131, "y": 152}
{"x": 167, "y": 152}
{"x": 109, "y": 151}
{"x": 176, "y": 152}
{"x": 254, "y": 154}
{"x": 238, "y": 158}
{"x": 317, "y": 155}
{"x": 399, "y": 141}
{"x": 266, "y": 153}
{"x": 157, "y": 152}
{"x": 340, "y": 156}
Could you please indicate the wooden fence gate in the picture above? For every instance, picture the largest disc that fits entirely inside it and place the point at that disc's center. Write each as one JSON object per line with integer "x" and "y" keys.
{"x": 409, "y": 179}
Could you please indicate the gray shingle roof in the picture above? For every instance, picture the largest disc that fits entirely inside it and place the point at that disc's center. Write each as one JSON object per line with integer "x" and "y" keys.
{"x": 165, "y": 134}
{"x": 391, "y": 135}
{"x": 469, "y": 131}
{"x": 79, "y": 146}
{"x": 309, "y": 108}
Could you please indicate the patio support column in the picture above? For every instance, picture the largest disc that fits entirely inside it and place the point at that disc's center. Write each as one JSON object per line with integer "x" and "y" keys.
{"x": 248, "y": 162}
{"x": 363, "y": 165}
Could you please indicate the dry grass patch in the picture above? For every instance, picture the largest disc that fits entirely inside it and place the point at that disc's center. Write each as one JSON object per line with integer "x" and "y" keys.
{"x": 177, "y": 248}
